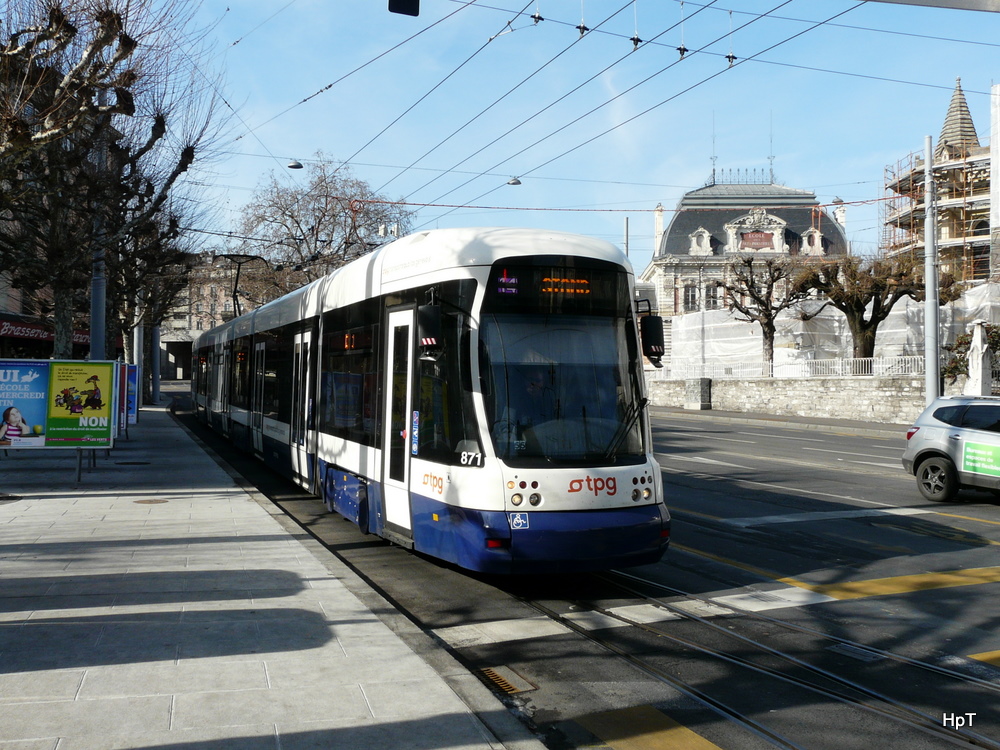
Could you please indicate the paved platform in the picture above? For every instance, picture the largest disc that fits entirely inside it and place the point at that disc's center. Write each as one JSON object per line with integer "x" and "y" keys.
{"x": 156, "y": 603}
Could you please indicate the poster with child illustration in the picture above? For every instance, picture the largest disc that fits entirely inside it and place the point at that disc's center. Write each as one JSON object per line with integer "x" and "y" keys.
{"x": 23, "y": 388}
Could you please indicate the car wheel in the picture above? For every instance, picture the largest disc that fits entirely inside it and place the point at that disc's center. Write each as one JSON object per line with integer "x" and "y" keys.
{"x": 937, "y": 479}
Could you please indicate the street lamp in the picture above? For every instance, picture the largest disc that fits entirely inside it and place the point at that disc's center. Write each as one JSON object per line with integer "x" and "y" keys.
{"x": 240, "y": 259}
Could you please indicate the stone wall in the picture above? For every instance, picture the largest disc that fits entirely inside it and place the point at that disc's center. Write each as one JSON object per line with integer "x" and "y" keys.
{"x": 889, "y": 400}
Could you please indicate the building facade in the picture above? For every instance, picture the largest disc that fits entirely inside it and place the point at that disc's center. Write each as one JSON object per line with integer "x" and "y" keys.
{"x": 723, "y": 220}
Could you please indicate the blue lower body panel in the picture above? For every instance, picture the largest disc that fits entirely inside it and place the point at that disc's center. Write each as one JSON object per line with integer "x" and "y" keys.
{"x": 540, "y": 542}
{"x": 345, "y": 493}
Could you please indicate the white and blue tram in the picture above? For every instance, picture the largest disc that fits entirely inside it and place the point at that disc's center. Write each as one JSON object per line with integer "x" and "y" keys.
{"x": 472, "y": 394}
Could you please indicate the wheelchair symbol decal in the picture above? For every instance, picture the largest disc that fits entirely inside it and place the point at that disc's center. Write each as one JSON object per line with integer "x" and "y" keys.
{"x": 519, "y": 520}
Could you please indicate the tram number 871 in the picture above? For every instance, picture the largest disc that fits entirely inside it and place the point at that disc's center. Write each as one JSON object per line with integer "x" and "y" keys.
{"x": 472, "y": 459}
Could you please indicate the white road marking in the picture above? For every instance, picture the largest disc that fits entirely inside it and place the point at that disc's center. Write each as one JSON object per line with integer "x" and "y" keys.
{"x": 820, "y": 515}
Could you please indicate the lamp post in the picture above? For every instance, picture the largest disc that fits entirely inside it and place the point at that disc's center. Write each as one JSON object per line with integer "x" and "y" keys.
{"x": 240, "y": 260}
{"x": 932, "y": 366}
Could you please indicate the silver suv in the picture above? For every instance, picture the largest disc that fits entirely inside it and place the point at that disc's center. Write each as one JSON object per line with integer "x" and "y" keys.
{"x": 955, "y": 443}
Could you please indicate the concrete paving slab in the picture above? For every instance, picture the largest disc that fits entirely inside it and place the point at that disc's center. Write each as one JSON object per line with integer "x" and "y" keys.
{"x": 202, "y": 619}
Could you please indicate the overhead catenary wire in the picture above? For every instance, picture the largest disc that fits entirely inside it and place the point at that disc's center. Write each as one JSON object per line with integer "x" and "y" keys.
{"x": 761, "y": 60}
{"x": 665, "y": 101}
{"x": 538, "y": 113}
{"x": 465, "y": 4}
{"x": 430, "y": 91}
{"x": 486, "y": 109}
{"x": 606, "y": 103}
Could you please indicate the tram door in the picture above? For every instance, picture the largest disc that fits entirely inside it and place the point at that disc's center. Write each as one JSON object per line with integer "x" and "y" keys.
{"x": 257, "y": 417}
{"x": 398, "y": 429}
{"x": 301, "y": 407}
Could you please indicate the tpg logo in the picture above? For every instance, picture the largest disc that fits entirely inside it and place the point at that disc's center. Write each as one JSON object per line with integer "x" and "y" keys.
{"x": 596, "y": 485}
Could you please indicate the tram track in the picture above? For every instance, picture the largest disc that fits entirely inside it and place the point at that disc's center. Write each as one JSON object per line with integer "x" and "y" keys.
{"x": 785, "y": 668}
{"x": 658, "y": 652}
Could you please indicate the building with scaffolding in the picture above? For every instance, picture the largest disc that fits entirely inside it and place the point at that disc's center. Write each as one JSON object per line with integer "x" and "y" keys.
{"x": 961, "y": 170}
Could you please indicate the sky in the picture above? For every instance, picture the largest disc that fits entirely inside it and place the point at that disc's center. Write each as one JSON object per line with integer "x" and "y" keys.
{"x": 440, "y": 111}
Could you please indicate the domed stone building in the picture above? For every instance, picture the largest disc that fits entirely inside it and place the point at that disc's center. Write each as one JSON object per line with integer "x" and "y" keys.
{"x": 717, "y": 223}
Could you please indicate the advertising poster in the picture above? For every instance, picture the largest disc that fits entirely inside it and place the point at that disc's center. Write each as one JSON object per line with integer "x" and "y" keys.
{"x": 56, "y": 404}
{"x": 24, "y": 388}
{"x": 981, "y": 458}
{"x": 81, "y": 405}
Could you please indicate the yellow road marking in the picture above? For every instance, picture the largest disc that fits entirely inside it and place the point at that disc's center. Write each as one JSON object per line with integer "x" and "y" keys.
{"x": 966, "y": 518}
{"x": 904, "y": 584}
{"x": 748, "y": 568}
{"x": 643, "y": 728}
{"x": 990, "y": 657}
{"x": 873, "y": 587}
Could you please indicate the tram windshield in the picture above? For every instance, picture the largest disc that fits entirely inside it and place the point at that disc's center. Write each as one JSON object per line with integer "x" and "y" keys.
{"x": 560, "y": 365}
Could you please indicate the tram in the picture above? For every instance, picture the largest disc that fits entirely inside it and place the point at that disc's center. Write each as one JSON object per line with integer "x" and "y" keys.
{"x": 475, "y": 395}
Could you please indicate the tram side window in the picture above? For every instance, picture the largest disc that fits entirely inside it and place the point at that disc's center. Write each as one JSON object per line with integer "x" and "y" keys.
{"x": 348, "y": 374}
{"x": 448, "y": 432}
{"x": 276, "y": 389}
{"x": 240, "y": 386}
{"x": 200, "y": 372}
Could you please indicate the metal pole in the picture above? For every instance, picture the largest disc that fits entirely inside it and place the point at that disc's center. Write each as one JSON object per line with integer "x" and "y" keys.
{"x": 932, "y": 366}
{"x": 626, "y": 236}
{"x": 236, "y": 288}
{"x": 98, "y": 280}
{"x": 154, "y": 364}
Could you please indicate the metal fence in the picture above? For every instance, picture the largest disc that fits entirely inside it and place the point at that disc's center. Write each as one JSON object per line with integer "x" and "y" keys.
{"x": 807, "y": 368}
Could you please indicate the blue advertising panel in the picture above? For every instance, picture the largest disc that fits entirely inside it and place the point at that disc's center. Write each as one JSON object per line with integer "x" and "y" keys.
{"x": 132, "y": 393}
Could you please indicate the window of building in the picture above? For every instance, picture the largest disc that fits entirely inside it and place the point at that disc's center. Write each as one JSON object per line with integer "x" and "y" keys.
{"x": 690, "y": 297}
{"x": 713, "y": 297}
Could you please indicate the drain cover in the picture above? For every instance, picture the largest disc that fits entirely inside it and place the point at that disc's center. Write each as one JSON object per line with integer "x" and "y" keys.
{"x": 150, "y": 502}
{"x": 506, "y": 680}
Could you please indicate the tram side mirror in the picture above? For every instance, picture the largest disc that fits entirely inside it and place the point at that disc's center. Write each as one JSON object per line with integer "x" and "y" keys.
{"x": 429, "y": 332}
{"x": 651, "y": 333}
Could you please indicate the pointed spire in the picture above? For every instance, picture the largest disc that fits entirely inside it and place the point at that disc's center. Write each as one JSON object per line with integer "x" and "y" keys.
{"x": 958, "y": 135}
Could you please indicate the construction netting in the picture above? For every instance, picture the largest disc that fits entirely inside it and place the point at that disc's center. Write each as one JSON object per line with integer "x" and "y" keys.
{"x": 720, "y": 337}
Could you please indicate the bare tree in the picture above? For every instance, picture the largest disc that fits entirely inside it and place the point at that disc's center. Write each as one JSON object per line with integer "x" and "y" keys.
{"x": 866, "y": 290}
{"x": 760, "y": 287}
{"x": 65, "y": 64}
{"x": 308, "y": 231}
{"x": 85, "y": 178}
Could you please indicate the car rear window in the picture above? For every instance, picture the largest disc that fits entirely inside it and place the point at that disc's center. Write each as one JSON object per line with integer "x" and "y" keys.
{"x": 950, "y": 414}
{"x": 982, "y": 417}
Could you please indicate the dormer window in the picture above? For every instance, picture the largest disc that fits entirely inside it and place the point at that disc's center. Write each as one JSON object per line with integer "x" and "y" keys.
{"x": 812, "y": 242}
{"x": 701, "y": 242}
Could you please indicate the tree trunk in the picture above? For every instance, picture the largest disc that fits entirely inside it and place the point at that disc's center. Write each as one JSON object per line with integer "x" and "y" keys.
{"x": 864, "y": 342}
{"x": 62, "y": 347}
{"x": 863, "y": 337}
{"x": 767, "y": 338}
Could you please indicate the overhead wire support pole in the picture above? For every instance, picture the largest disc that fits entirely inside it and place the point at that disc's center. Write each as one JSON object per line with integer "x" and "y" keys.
{"x": 98, "y": 279}
{"x": 932, "y": 365}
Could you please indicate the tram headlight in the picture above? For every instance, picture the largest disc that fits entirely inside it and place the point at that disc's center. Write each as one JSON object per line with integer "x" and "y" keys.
{"x": 534, "y": 498}
{"x": 516, "y": 499}
{"x": 647, "y": 493}
{"x": 636, "y": 494}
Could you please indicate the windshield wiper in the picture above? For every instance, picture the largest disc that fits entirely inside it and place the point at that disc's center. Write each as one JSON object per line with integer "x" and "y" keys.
{"x": 625, "y": 427}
